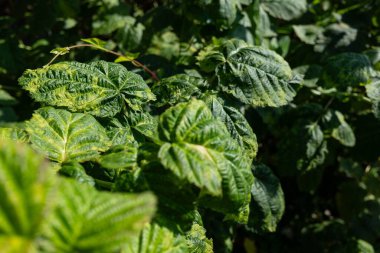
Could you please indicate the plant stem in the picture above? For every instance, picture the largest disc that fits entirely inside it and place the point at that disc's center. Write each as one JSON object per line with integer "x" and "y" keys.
{"x": 134, "y": 62}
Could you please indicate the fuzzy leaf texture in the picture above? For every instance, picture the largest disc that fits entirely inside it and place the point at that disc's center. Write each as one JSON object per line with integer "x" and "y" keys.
{"x": 197, "y": 147}
{"x": 64, "y": 136}
{"x": 100, "y": 88}
{"x": 253, "y": 75}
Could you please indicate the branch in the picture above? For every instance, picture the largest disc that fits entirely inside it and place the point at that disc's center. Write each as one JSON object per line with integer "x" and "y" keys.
{"x": 134, "y": 62}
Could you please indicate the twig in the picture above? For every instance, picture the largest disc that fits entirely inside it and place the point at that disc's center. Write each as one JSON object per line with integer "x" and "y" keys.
{"x": 134, "y": 62}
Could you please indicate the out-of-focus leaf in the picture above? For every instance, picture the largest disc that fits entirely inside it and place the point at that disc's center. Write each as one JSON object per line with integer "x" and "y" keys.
{"x": 308, "y": 33}
{"x": 343, "y": 132}
{"x": 285, "y": 9}
{"x": 373, "y": 92}
{"x": 86, "y": 220}
{"x": 347, "y": 69}
{"x": 26, "y": 186}
{"x": 156, "y": 239}
{"x": 98, "y": 43}
{"x": 63, "y": 136}
{"x": 60, "y": 51}
{"x": 6, "y": 99}
{"x": 131, "y": 34}
{"x": 310, "y": 73}
{"x": 76, "y": 171}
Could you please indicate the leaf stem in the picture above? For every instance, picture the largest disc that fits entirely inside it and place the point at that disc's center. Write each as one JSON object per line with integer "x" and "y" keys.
{"x": 134, "y": 62}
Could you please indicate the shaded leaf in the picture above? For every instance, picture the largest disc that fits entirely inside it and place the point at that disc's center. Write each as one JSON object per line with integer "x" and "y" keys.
{"x": 120, "y": 156}
{"x": 268, "y": 204}
{"x": 251, "y": 74}
{"x": 285, "y": 9}
{"x": 76, "y": 171}
{"x": 347, "y": 69}
{"x": 177, "y": 88}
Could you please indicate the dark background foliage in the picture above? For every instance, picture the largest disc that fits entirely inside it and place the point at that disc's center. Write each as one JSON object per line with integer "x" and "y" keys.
{"x": 324, "y": 147}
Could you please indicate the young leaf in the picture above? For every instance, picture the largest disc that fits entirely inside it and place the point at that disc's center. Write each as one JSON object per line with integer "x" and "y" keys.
{"x": 127, "y": 57}
{"x": 60, "y": 51}
{"x": 99, "y": 88}
{"x": 98, "y": 43}
{"x": 64, "y": 136}
{"x": 253, "y": 75}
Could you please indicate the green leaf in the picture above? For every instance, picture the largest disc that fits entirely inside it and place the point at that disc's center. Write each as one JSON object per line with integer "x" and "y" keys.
{"x": 118, "y": 133}
{"x": 188, "y": 130}
{"x": 26, "y": 186}
{"x": 15, "y": 133}
{"x": 348, "y": 69}
{"x": 343, "y": 132}
{"x": 130, "y": 36}
{"x": 143, "y": 123}
{"x": 86, "y": 220}
{"x": 120, "y": 156}
{"x": 236, "y": 124}
{"x": 253, "y": 75}
{"x": 308, "y": 33}
{"x": 63, "y": 136}
{"x": 285, "y": 9}
{"x": 197, "y": 147}
{"x": 76, "y": 171}
{"x": 127, "y": 57}
{"x": 197, "y": 240}
{"x": 268, "y": 204}
{"x": 60, "y": 51}
{"x": 97, "y": 43}
{"x": 99, "y": 88}
{"x": 6, "y": 99}
{"x": 373, "y": 92}
{"x": 178, "y": 88}
{"x": 156, "y": 239}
